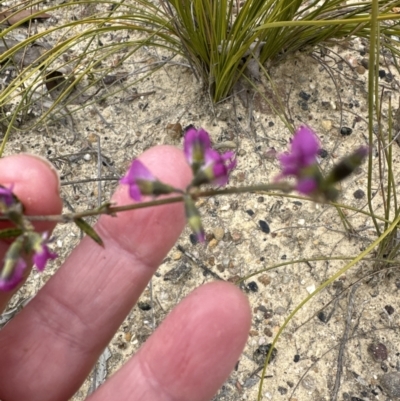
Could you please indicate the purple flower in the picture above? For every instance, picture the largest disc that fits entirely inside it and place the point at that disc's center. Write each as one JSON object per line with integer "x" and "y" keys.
{"x": 142, "y": 182}
{"x": 301, "y": 159}
{"x": 196, "y": 143}
{"x": 11, "y": 274}
{"x": 6, "y": 195}
{"x": 137, "y": 177}
{"x": 43, "y": 253}
{"x": 218, "y": 167}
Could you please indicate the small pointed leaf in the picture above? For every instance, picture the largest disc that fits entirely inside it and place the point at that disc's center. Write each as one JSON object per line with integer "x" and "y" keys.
{"x": 89, "y": 230}
{"x": 10, "y": 233}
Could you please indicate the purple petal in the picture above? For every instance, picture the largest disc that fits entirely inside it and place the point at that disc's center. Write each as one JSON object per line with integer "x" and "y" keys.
{"x": 6, "y": 195}
{"x": 137, "y": 172}
{"x": 303, "y": 152}
{"x": 41, "y": 257}
{"x": 306, "y": 186}
{"x": 201, "y": 237}
{"x": 305, "y": 146}
{"x": 196, "y": 141}
{"x": 8, "y": 284}
{"x": 134, "y": 192}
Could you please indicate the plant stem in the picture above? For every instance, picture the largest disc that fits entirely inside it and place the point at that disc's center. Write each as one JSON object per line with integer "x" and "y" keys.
{"x": 195, "y": 193}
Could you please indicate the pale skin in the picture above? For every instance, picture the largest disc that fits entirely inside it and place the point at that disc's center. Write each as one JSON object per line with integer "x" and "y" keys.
{"x": 49, "y": 348}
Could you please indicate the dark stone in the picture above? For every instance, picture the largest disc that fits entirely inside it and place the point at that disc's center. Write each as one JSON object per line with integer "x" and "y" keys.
{"x": 389, "y": 309}
{"x": 322, "y": 316}
{"x": 359, "y": 194}
{"x": 365, "y": 63}
{"x": 193, "y": 239}
{"x": 390, "y": 382}
{"x": 384, "y": 367}
{"x": 323, "y": 153}
{"x": 252, "y": 286}
{"x": 261, "y": 353}
{"x": 305, "y": 96}
{"x": 297, "y": 203}
{"x": 346, "y": 131}
{"x": 283, "y": 257}
{"x": 144, "y": 306}
{"x": 296, "y": 358}
{"x": 389, "y": 77}
{"x": 264, "y": 226}
{"x": 260, "y": 199}
{"x": 282, "y": 390}
{"x": 268, "y": 314}
{"x": 356, "y": 399}
{"x": 250, "y": 212}
{"x": 378, "y": 351}
{"x": 304, "y": 106}
{"x": 382, "y": 73}
{"x": 271, "y": 124}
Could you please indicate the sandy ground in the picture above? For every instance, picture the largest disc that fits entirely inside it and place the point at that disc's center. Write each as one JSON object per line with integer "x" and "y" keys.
{"x": 327, "y": 92}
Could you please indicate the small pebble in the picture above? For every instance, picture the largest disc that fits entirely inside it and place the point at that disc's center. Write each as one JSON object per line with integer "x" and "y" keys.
{"x": 271, "y": 124}
{"x": 356, "y": 399}
{"x": 193, "y": 239}
{"x": 391, "y": 384}
{"x": 268, "y": 332}
{"x": 365, "y": 63}
{"x": 264, "y": 279}
{"x": 305, "y": 96}
{"x": 219, "y": 233}
{"x": 282, "y": 390}
{"x": 308, "y": 382}
{"x": 322, "y": 316}
{"x": 236, "y": 236}
{"x": 252, "y": 286}
{"x": 260, "y": 199}
{"x": 176, "y": 255}
{"x": 304, "y": 106}
{"x": 360, "y": 70}
{"x": 250, "y": 212}
{"x": 310, "y": 289}
{"x": 323, "y": 153}
{"x": 144, "y": 306}
{"x": 389, "y": 77}
{"x": 87, "y": 157}
{"x": 346, "y": 131}
{"x": 382, "y": 73}
{"x": 261, "y": 352}
{"x": 268, "y": 314}
{"x": 280, "y": 310}
{"x": 378, "y": 351}
{"x": 296, "y": 358}
{"x": 389, "y": 309}
{"x": 174, "y": 130}
{"x": 326, "y": 124}
{"x": 264, "y": 226}
{"x": 213, "y": 243}
{"x": 359, "y": 194}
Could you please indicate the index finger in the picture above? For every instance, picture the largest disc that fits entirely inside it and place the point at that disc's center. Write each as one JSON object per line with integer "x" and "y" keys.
{"x": 75, "y": 315}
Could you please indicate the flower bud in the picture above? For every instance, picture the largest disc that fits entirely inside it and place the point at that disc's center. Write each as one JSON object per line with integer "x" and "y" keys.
{"x": 193, "y": 219}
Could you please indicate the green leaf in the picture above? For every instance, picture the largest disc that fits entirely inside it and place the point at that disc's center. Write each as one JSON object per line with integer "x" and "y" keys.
{"x": 10, "y": 233}
{"x": 89, "y": 230}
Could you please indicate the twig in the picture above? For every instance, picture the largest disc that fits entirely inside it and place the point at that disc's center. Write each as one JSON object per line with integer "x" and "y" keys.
{"x": 198, "y": 263}
{"x": 343, "y": 343}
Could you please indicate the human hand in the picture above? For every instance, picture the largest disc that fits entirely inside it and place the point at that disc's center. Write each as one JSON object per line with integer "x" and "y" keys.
{"x": 50, "y": 347}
